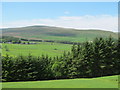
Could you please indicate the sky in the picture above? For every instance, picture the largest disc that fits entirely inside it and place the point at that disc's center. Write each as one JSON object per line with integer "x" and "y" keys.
{"x": 79, "y": 15}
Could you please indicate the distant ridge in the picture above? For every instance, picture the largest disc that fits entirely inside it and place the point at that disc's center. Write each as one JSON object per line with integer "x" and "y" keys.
{"x": 56, "y": 33}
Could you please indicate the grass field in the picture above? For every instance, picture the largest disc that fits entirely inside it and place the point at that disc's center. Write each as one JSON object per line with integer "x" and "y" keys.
{"x": 102, "y": 82}
{"x": 36, "y": 49}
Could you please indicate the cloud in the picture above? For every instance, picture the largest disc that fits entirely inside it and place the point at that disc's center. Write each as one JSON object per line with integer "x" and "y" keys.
{"x": 66, "y": 12}
{"x": 104, "y": 22}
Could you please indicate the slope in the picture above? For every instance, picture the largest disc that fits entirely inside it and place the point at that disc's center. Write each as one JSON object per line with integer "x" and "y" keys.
{"x": 56, "y": 33}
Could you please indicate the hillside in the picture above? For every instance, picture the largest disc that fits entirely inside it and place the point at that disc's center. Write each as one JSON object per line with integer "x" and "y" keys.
{"x": 56, "y": 33}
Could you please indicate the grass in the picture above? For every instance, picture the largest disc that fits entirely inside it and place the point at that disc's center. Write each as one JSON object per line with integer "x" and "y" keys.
{"x": 46, "y": 48}
{"x": 102, "y": 82}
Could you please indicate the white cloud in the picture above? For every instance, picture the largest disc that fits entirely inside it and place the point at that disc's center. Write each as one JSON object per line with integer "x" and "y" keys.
{"x": 104, "y": 22}
{"x": 66, "y": 12}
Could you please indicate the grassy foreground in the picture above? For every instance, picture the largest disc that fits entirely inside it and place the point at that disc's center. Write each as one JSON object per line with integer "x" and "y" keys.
{"x": 102, "y": 82}
{"x": 46, "y": 48}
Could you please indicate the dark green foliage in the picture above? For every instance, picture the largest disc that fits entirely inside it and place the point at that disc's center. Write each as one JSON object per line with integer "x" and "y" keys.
{"x": 25, "y": 68}
{"x": 10, "y": 39}
{"x": 90, "y": 59}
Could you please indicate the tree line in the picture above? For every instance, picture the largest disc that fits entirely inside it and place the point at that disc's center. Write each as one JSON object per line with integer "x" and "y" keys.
{"x": 15, "y": 40}
{"x": 11, "y": 39}
{"x": 91, "y": 59}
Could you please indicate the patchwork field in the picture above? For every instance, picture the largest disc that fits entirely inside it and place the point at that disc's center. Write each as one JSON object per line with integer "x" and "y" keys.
{"x": 51, "y": 49}
{"x": 102, "y": 82}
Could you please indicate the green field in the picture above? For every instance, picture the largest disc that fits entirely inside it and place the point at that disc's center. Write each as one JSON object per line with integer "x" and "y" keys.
{"x": 102, "y": 82}
{"x": 51, "y": 49}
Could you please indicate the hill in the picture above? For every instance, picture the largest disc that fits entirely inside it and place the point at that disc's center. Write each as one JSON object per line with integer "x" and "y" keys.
{"x": 56, "y": 33}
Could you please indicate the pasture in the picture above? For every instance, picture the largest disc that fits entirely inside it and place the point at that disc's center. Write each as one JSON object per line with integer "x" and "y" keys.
{"x": 46, "y": 48}
{"x": 101, "y": 82}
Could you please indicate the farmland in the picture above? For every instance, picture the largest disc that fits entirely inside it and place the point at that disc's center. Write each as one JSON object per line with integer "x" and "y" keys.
{"x": 49, "y": 33}
{"x": 102, "y": 82}
{"x": 46, "y": 48}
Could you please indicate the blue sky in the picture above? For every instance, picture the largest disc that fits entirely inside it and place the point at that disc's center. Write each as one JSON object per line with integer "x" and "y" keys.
{"x": 35, "y": 11}
{"x": 29, "y": 10}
